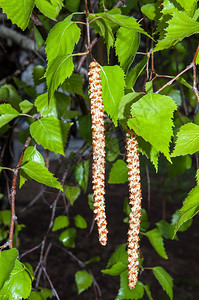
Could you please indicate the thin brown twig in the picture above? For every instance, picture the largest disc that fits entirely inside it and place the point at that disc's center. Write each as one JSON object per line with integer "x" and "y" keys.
{"x": 178, "y": 75}
{"x": 13, "y": 192}
{"x": 119, "y": 3}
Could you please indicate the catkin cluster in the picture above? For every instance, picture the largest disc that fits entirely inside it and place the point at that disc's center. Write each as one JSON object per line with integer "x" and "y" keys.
{"x": 98, "y": 140}
{"x": 135, "y": 197}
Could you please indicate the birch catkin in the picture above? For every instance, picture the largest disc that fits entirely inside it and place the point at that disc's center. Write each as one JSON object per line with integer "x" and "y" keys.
{"x": 98, "y": 140}
{"x": 135, "y": 203}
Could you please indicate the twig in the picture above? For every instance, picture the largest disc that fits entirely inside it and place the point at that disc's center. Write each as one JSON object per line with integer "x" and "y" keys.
{"x": 178, "y": 75}
{"x": 51, "y": 285}
{"x": 119, "y": 3}
{"x": 29, "y": 251}
{"x": 195, "y": 75}
{"x": 13, "y": 192}
{"x": 83, "y": 58}
{"x": 87, "y": 26}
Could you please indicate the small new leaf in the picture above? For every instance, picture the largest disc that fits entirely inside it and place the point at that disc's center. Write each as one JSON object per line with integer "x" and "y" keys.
{"x": 119, "y": 167}
{"x": 67, "y": 237}
{"x": 125, "y": 292}
{"x": 156, "y": 241}
{"x": 187, "y": 140}
{"x": 112, "y": 89}
{"x": 80, "y": 222}
{"x": 164, "y": 280}
{"x": 50, "y": 8}
{"x": 7, "y": 113}
{"x": 60, "y": 222}
{"x": 83, "y": 280}
{"x": 72, "y": 193}
{"x": 41, "y": 174}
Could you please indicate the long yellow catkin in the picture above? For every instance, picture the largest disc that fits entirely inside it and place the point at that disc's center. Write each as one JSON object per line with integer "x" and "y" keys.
{"x": 98, "y": 140}
{"x": 135, "y": 197}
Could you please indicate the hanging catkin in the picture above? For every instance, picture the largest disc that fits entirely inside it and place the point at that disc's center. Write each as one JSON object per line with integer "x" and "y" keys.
{"x": 98, "y": 140}
{"x": 132, "y": 158}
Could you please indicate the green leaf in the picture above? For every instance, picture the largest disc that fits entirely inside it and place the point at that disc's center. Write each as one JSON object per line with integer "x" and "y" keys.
{"x": 190, "y": 207}
{"x": 18, "y": 11}
{"x": 126, "y": 45}
{"x": 30, "y": 154}
{"x": 7, "y": 263}
{"x": 72, "y": 193}
{"x": 179, "y": 27}
{"x": 7, "y": 113}
{"x": 134, "y": 73}
{"x": 85, "y": 127}
{"x": 112, "y": 89}
{"x": 80, "y": 222}
{"x": 119, "y": 255}
{"x": 83, "y": 280}
{"x": 5, "y": 216}
{"x": 149, "y": 114}
{"x": 148, "y": 292}
{"x": 73, "y": 84}
{"x": 112, "y": 149}
{"x": 67, "y": 237}
{"x": 25, "y": 106}
{"x": 43, "y": 294}
{"x": 124, "y": 21}
{"x": 37, "y": 74}
{"x": 60, "y": 222}
{"x": 38, "y": 38}
{"x": 125, "y": 104}
{"x": 187, "y": 5}
{"x": 165, "y": 229}
{"x": 179, "y": 165}
{"x": 151, "y": 10}
{"x": 125, "y": 292}
{"x": 187, "y": 140}
{"x": 58, "y": 70}
{"x": 197, "y": 177}
{"x": 50, "y": 8}
{"x": 144, "y": 225}
{"x": 19, "y": 284}
{"x": 118, "y": 173}
{"x": 81, "y": 174}
{"x": 156, "y": 241}
{"x": 9, "y": 94}
{"x": 56, "y": 107}
{"x": 184, "y": 226}
{"x": 72, "y": 5}
{"x": 41, "y": 174}
{"x": 116, "y": 269}
{"x": 91, "y": 201}
{"x": 51, "y": 133}
{"x": 103, "y": 29}
{"x": 64, "y": 35}
{"x": 164, "y": 280}
{"x": 93, "y": 260}
{"x": 148, "y": 150}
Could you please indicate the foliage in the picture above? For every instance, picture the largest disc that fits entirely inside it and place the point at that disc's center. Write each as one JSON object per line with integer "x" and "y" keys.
{"x": 141, "y": 39}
